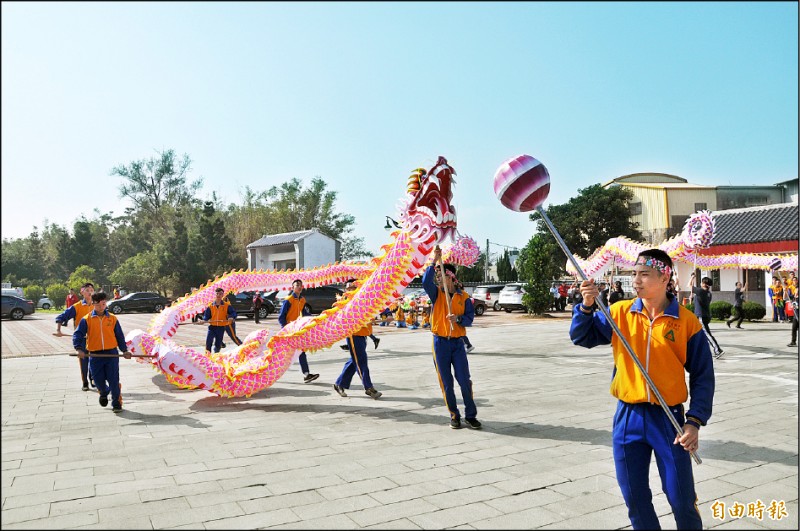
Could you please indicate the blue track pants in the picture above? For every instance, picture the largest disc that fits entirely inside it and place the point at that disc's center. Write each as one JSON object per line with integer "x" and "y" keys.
{"x": 639, "y": 431}
{"x": 447, "y": 353}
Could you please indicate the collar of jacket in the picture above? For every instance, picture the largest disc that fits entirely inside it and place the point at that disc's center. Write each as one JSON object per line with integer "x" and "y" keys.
{"x": 105, "y": 313}
{"x": 672, "y": 307}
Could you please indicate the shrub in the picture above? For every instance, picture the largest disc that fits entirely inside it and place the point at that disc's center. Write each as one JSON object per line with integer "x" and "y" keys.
{"x": 753, "y": 311}
{"x": 721, "y": 309}
{"x": 690, "y": 307}
{"x": 33, "y": 292}
{"x": 57, "y": 293}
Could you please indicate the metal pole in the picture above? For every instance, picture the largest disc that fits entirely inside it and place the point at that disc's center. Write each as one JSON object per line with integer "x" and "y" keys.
{"x": 486, "y": 264}
{"x": 616, "y": 329}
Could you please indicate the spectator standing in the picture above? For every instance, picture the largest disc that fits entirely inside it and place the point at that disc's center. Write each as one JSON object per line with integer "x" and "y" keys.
{"x": 562, "y": 296}
{"x": 793, "y": 342}
{"x": 72, "y": 298}
{"x": 776, "y": 294}
{"x": 604, "y": 294}
{"x": 618, "y": 294}
{"x": 257, "y": 304}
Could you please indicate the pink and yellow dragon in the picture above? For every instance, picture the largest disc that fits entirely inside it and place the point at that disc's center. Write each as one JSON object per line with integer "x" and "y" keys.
{"x": 427, "y": 217}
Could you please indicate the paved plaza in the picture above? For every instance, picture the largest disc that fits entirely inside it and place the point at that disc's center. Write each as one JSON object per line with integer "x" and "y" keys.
{"x": 300, "y": 456}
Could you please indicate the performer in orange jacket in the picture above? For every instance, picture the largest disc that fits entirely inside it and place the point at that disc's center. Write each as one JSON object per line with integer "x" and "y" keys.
{"x": 669, "y": 341}
{"x": 357, "y": 344}
{"x": 100, "y": 333}
{"x": 448, "y": 340}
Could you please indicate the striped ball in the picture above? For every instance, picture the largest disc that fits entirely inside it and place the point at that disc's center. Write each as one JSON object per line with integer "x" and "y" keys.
{"x": 775, "y": 264}
{"x": 522, "y": 183}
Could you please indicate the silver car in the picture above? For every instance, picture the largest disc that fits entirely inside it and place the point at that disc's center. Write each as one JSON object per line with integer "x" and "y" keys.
{"x": 511, "y": 297}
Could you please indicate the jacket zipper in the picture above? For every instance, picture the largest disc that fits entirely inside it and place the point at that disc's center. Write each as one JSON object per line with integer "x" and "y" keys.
{"x": 647, "y": 358}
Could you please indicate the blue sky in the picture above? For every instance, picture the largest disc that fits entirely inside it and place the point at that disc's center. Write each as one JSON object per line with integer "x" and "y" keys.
{"x": 360, "y": 94}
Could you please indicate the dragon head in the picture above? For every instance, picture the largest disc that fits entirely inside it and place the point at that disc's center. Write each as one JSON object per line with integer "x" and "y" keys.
{"x": 427, "y": 211}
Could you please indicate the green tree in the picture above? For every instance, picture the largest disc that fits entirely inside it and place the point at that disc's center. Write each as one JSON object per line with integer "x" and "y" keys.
{"x": 504, "y": 270}
{"x": 59, "y": 260}
{"x": 212, "y": 246}
{"x": 536, "y": 268}
{"x": 81, "y": 276}
{"x": 473, "y": 273}
{"x": 57, "y": 292}
{"x": 33, "y": 292}
{"x": 158, "y": 182}
{"x": 138, "y": 273}
{"x": 588, "y": 221}
{"x": 294, "y": 208}
{"x": 178, "y": 262}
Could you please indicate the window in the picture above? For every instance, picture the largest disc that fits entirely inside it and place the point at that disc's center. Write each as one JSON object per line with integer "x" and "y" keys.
{"x": 755, "y": 280}
{"x": 700, "y": 206}
{"x": 636, "y": 208}
{"x": 715, "y": 279}
{"x": 284, "y": 264}
{"x": 678, "y": 222}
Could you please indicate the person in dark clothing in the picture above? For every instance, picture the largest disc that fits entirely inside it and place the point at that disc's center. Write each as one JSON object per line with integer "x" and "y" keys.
{"x": 702, "y": 309}
{"x": 738, "y": 303}
{"x": 604, "y": 294}
{"x": 257, "y": 303}
{"x": 618, "y": 294}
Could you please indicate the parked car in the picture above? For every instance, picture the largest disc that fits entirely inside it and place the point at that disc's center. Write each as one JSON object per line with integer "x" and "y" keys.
{"x": 511, "y": 297}
{"x": 243, "y": 304}
{"x": 16, "y": 307}
{"x": 320, "y": 299}
{"x": 489, "y": 294}
{"x": 479, "y": 305}
{"x": 45, "y": 303}
{"x": 140, "y": 301}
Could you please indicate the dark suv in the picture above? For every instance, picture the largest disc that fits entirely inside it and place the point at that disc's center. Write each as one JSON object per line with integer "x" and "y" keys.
{"x": 489, "y": 294}
{"x": 320, "y": 299}
{"x": 16, "y": 307}
{"x": 141, "y": 301}
{"x": 243, "y": 304}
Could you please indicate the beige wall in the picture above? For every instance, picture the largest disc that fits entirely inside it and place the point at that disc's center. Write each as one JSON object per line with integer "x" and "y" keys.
{"x": 653, "y": 214}
{"x": 681, "y": 201}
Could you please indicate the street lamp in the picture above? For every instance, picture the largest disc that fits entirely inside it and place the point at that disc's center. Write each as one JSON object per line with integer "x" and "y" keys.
{"x": 388, "y": 225}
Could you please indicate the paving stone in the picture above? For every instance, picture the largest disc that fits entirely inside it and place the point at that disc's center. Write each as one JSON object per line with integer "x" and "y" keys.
{"x": 298, "y": 456}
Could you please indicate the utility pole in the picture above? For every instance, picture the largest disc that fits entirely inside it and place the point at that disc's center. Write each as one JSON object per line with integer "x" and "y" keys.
{"x": 486, "y": 263}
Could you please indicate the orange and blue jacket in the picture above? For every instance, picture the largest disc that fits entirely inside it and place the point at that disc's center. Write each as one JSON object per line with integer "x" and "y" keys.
{"x": 365, "y": 331}
{"x": 76, "y": 311}
{"x": 98, "y": 332}
{"x": 291, "y": 310}
{"x": 460, "y": 305}
{"x": 672, "y": 343}
{"x": 218, "y": 315}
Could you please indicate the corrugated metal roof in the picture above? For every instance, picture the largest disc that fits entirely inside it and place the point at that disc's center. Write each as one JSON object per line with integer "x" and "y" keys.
{"x": 768, "y": 223}
{"x": 279, "y": 239}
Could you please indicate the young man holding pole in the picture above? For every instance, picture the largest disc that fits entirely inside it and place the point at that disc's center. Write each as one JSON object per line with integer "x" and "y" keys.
{"x": 451, "y": 312}
{"x": 668, "y": 340}
{"x": 77, "y": 311}
{"x": 99, "y": 333}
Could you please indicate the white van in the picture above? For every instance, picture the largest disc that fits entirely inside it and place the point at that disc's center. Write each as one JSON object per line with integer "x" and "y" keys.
{"x": 17, "y": 292}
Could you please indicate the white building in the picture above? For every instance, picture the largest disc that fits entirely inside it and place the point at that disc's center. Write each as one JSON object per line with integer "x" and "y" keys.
{"x": 304, "y": 249}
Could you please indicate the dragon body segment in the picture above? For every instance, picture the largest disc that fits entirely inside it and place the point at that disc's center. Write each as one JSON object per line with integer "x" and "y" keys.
{"x": 427, "y": 217}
